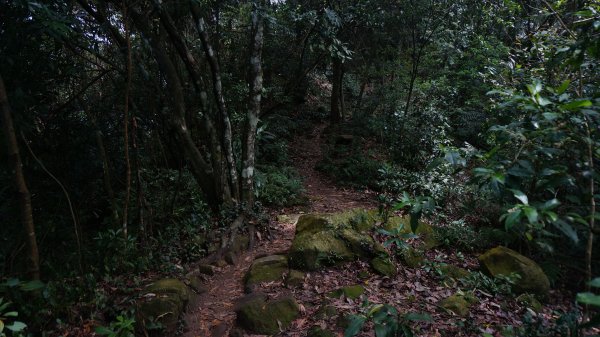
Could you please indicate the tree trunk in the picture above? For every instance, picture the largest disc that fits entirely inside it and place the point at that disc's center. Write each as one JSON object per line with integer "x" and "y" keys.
{"x": 224, "y": 122}
{"x": 255, "y": 79}
{"x": 335, "y": 113}
{"x": 21, "y": 185}
{"x": 107, "y": 179}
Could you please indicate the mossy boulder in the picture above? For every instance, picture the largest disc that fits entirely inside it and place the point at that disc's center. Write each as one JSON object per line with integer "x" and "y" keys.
{"x": 311, "y": 223}
{"x": 317, "y": 331}
{"x": 259, "y": 316}
{"x": 384, "y": 266}
{"x": 505, "y": 261}
{"x": 325, "y": 240}
{"x": 266, "y": 269}
{"x": 294, "y": 278}
{"x": 452, "y": 271}
{"x": 326, "y": 311}
{"x": 412, "y": 257}
{"x": 351, "y": 292}
{"x": 425, "y": 231}
{"x": 170, "y": 286}
{"x": 163, "y": 302}
{"x": 313, "y": 251}
{"x": 457, "y": 304}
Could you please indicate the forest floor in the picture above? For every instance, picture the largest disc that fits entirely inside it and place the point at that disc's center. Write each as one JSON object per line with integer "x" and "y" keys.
{"x": 415, "y": 290}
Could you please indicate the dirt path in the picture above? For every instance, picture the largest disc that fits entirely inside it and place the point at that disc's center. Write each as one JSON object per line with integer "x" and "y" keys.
{"x": 324, "y": 195}
{"x": 212, "y": 313}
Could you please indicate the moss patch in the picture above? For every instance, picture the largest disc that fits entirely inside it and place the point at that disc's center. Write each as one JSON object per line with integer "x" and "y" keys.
{"x": 451, "y": 271}
{"x": 259, "y": 316}
{"x": 456, "y": 304}
{"x": 383, "y": 266}
{"x": 317, "y": 331}
{"x": 351, "y": 292}
{"x": 505, "y": 261}
{"x": 266, "y": 269}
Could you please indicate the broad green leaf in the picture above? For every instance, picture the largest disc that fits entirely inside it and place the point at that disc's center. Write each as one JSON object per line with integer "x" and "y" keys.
{"x": 356, "y": 324}
{"x": 102, "y": 330}
{"x": 521, "y": 196}
{"x": 11, "y": 314}
{"x": 512, "y": 219}
{"x": 588, "y": 298}
{"x": 531, "y": 213}
{"x": 16, "y": 326}
{"x": 563, "y": 87}
{"x": 32, "y": 285}
{"x": 1, "y": 326}
{"x": 550, "y": 204}
{"x": 567, "y": 230}
{"x": 595, "y": 282}
{"x": 582, "y": 103}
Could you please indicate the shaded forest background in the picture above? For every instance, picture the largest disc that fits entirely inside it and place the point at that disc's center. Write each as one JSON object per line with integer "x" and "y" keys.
{"x": 150, "y": 133}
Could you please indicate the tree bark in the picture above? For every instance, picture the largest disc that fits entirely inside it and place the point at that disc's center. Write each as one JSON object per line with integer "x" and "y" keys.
{"x": 335, "y": 113}
{"x": 224, "y": 122}
{"x": 21, "y": 185}
{"x": 202, "y": 171}
{"x": 255, "y": 79}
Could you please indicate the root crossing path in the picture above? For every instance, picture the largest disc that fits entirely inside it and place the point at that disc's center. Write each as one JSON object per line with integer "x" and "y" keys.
{"x": 212, "y": 313}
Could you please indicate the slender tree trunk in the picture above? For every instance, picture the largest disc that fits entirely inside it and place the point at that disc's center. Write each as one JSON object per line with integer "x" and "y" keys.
{"x": 107, "y": 179}
{"x": 19, "y": 180}
{"x": 341, "y": 95}
{"x": 335, "y": 113}
{"x": 255, "y": 79}
{"x": 126, "y": 125}
{"x": 202, "y": 171}
{"x": 224, "y": 122}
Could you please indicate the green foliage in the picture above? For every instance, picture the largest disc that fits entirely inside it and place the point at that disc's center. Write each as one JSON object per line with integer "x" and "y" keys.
{"x": 542, "y": 160}
{"x": 279, "y": 186}
{"x": 122, "y": 327}
{"x": 397, "y": 237}
{"x": 459, "y": 235}
{"x": 592, "y": 300}
{"x": 8, "y": 320}
{"x": 502, "y": 284}
{"x": 387, "y": 322}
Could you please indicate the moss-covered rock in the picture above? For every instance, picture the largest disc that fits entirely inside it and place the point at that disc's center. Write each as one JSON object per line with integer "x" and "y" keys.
{"x": 311, "y": 223}
{"x": 360, "y": 244}
{"x": 451, "y": 271}
{"x": 163, "y": 302}
{"x": 294, "y": 278}
{"x": 326, "y": 311}
{"x": 164, "y": 309}
{"x": 240, "y": 244}
{"x": 317, "y": 331}
{"x": 266, "y": 269}
{"x": 259, "y": 316}
{"x": 312, "y": 251}
{"x": 425, "y": 231}
{"x": 412, "y": 257}
{"x": 383, "y": 266}
{"x": 324, "y": 240}
{"x": 505, "y": 261}
{"x": 170, "y": 286}
{"x": 457, "y": 304}
{"x": 351, "y": 292}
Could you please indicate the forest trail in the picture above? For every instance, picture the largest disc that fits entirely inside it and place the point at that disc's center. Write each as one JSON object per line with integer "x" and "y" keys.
{"x": 212, "y": 313}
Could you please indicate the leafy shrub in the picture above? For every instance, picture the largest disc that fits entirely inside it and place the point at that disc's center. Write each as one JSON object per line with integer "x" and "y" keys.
{"x": 387, "y": 322}
{"x": 500, "y": 284}
{"x": 461, "y": 236}
{"x": 278, "y": 186}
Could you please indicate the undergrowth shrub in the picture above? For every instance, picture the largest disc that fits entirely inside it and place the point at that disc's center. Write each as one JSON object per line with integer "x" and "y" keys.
{"x": 278, "y": 186}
